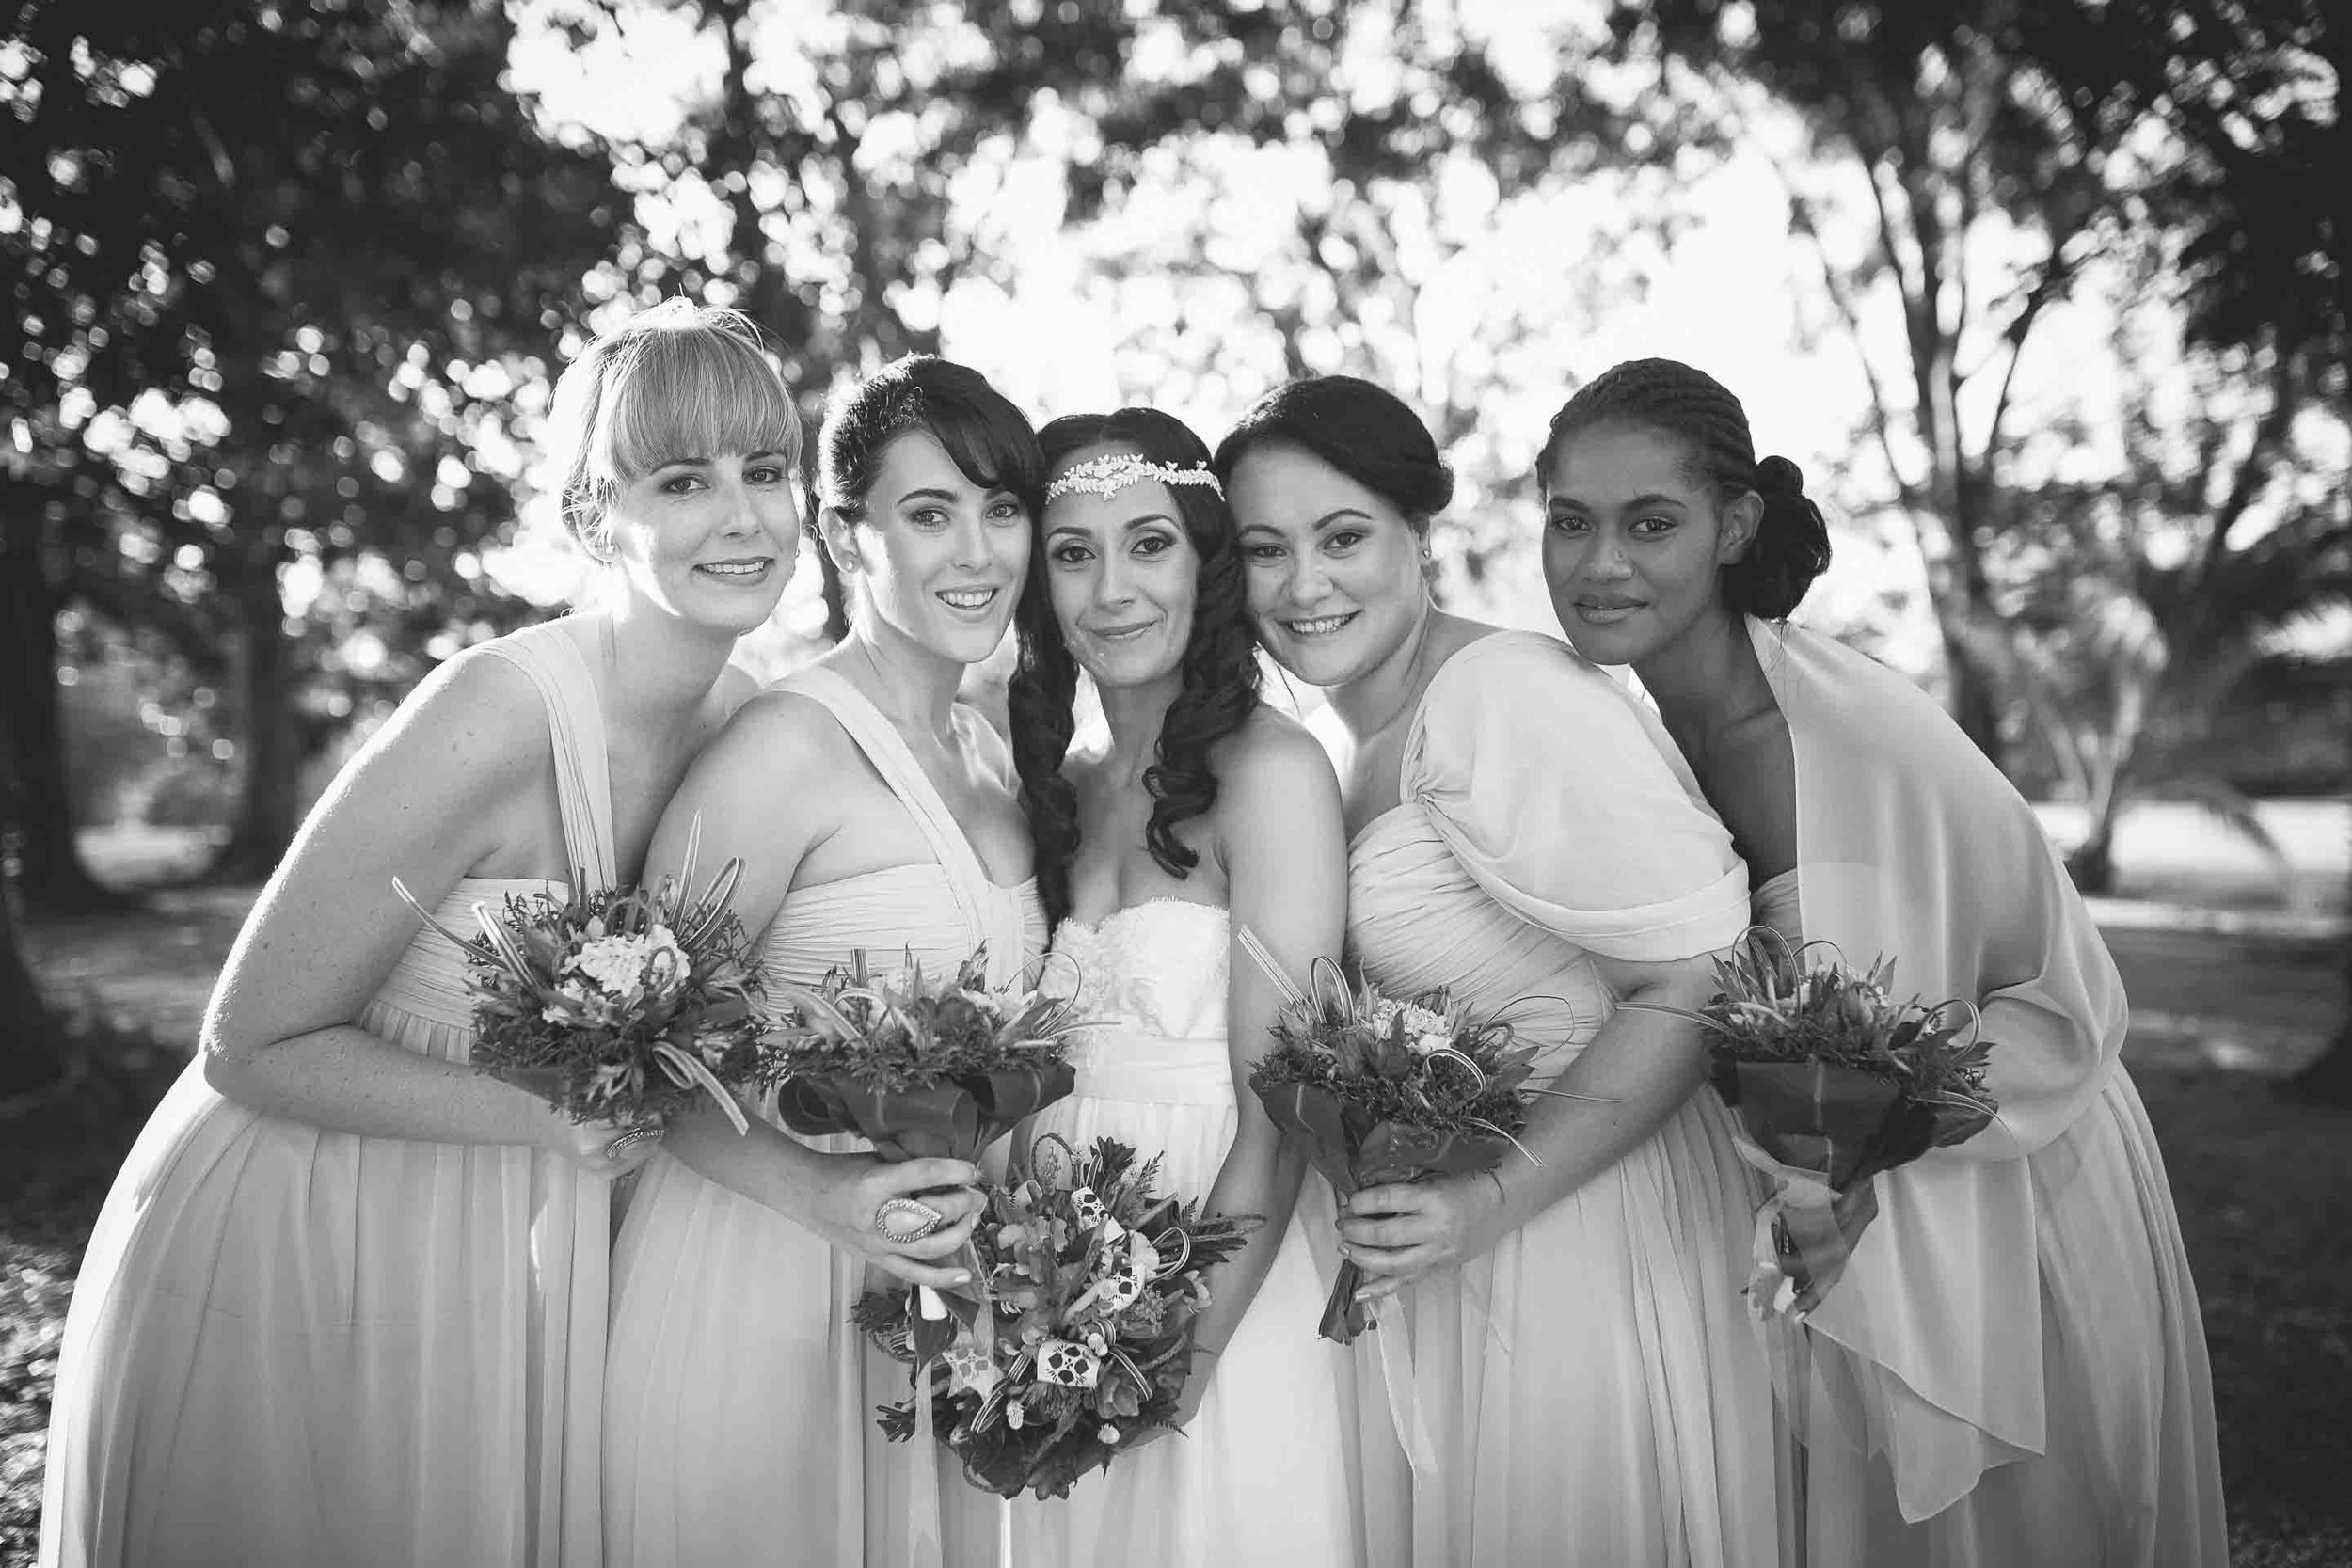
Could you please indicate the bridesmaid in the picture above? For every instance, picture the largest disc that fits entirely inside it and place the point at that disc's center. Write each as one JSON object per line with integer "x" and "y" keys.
{"x": 2055, "y": 1413}
{"x": 1207, "y": 812}
{"x": 873, "y": 811}
{"x": 1583, "y": 1388}
{"x": 346, "y": 1301}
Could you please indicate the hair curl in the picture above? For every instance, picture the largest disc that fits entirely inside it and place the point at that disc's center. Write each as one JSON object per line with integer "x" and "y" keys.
{"x": 989, "y": 441}
{"x": 679, "y": 380}
{"x": 1365, "y": 431}
{"x": 1219, "y": 673}
{"x": 1792, "y": 543}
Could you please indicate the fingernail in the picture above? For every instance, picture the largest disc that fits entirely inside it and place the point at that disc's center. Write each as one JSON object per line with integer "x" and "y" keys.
{"x": 964, "y": 1278}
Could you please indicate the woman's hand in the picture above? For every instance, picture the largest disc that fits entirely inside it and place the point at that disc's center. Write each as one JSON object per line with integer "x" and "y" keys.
{"x": 600, "y": 1148}
{"x": 848, "y": 1212}
{"x": 1188, "y": 1402}
{"x": 1399, "y": 1232}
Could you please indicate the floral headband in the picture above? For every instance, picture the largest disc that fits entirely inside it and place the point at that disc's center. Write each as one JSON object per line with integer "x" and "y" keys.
{"x": 1109, "y": 474}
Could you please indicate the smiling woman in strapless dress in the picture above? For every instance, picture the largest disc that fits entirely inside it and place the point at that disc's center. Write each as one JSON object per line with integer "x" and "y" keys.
{"x": 1205, "y": 812}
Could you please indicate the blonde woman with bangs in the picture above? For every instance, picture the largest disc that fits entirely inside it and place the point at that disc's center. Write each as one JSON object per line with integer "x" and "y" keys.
{"x": 346, "y": 1301}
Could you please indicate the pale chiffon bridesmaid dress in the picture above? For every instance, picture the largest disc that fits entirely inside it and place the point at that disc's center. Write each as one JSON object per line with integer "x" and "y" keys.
{"x": 1589, "y": 1391}
{"x": 1260, "y": 1476}
{"x": 740, "y": 1402}
{"x": 292, "y": 1347}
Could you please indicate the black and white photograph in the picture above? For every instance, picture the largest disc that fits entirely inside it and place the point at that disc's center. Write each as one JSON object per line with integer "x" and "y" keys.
{"x": 1175, "y": 783}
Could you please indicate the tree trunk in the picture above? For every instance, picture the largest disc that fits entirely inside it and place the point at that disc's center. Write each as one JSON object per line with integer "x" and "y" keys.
{"x": 268, "y": 814}
{"x": 29, "y": 1054}
{"x": 35, "y": 801}
{"x": 2329, "y": 1076}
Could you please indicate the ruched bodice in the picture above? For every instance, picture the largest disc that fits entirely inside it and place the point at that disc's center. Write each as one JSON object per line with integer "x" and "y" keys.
{"x": 1417, "y": 918}
{"x": 1151, "y": 981}
{"x": 902, "y": 912}
{"x": 428, "y": 984}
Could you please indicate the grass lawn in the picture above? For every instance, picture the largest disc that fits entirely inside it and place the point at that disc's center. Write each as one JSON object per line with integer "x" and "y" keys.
{"x": 2264, "y": 1183}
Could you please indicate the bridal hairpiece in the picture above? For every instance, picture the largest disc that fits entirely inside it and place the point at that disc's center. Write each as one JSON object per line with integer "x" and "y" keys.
{"x": 1113, "y": 473}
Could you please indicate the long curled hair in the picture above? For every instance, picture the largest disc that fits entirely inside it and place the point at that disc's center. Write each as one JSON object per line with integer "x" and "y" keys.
{"x": 1219, "y": 671}
{"x": 1692, "y": 408}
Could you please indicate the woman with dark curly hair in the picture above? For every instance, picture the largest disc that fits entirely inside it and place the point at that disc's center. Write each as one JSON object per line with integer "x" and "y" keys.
{"x": 1205, "y": 812}
{"x": 2008, "y": 1366}
{"x": 1583, "y": 1388}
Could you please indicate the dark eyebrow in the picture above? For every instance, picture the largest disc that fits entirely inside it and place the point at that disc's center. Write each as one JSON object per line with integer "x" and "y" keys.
{"x": 763, "y": 456}
{"x": 1134, "y": 523}
{"x": 1339, "y": 513}
{"x": 1652, "y": 499}
{"x": 948, "y": 495}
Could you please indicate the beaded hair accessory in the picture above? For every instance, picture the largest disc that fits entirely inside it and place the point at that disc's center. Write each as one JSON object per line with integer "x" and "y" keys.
{"x": 1113, "y": 473}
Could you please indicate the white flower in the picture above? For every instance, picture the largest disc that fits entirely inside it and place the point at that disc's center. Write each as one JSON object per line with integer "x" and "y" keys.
{"x": 1384, "y": 1013}
{"x": 1420, "y": 1020}
{"x": 1425, "y": 1044}
{"x": 625, "y": 968}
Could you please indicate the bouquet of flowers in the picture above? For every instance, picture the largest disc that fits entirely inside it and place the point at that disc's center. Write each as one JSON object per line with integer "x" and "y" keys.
{"x": 1379, "y": 1090}
{"x": 616, "y": 1004}
{"x": 916, "y": 1065}
{"x": 1832, "y": 1081}
{"x": 1080, "y": 1340}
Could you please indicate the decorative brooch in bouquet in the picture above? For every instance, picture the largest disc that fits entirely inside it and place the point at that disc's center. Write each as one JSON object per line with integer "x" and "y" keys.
{"x": 1081, "y": 1340}
{"x": 1380, "y": 1090}
{"x": 616, "y": 1004}
{"x": 1832, "y": 1081}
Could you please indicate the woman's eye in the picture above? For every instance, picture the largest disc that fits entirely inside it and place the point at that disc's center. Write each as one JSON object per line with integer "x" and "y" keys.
{"x": 1072, "y": 555}
{"x": 1344, "y": 539}
{"x": 764, "y": 474}
{"x": 1647, "y": 526}
{"x": 1009, "y": 512}
{"x": 1565, "y": 523}
{"x": 1154, "y": 543}
{"x": 681, "y": 484}
{"x": 929, "y": 517}
{"x": 1263, "y": 552}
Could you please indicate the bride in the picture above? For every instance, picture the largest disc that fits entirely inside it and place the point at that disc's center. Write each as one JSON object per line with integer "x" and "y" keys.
{"x": 1207, "y": 812}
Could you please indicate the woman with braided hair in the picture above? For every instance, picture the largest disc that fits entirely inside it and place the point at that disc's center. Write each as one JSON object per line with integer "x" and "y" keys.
{"x": 2009, "y": 1368}
{"x": 1562, "y": 1374}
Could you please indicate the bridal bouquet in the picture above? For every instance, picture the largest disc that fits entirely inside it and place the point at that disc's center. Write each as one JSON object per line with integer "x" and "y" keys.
{"x": 1080, "y": 1339}
{"x": 1832, "y": 1081}
{"x": 1380, "y": 1089}
{"x": 918, "y": 1064}
{"x": 615, "y": 1005}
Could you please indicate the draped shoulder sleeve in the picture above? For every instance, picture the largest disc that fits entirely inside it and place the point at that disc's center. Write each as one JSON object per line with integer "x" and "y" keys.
{"x": 1553, "y": 787}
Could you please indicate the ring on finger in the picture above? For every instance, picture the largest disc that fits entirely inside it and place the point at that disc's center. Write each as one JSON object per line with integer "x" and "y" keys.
{"x": 629, "y": 1140}
{"x": 906, "y": 1219}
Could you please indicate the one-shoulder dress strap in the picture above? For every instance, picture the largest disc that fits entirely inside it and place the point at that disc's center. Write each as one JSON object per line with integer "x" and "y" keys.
{"x": 988, "y": 915}
{"x": 550, "y": 655}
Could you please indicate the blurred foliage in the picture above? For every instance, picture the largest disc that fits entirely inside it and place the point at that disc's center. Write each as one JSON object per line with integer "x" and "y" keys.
{"x": 277, "y": 272}
{"x": 289, "y": 283}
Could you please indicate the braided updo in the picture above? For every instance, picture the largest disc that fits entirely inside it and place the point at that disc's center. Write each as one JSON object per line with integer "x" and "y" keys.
{"x": 1792, "y": 543}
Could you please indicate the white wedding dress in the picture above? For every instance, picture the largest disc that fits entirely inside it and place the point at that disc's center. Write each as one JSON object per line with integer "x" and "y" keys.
{"x": 1259, "y": 1475}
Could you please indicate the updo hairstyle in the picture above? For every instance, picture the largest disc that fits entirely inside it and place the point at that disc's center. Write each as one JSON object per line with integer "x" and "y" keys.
{"x": 1692, "y": 408}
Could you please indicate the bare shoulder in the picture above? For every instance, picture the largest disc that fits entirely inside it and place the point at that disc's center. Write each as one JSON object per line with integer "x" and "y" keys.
{"x": 778, "y": 735}
{"x": 988, "y": 744}
{"x": 476, "y": 720}
{"x": 1274, "y": 760}
{"x": 736, "y": 685}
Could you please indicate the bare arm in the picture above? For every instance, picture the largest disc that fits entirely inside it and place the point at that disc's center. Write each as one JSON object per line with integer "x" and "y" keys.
{"x": 757, "y": 792}
{"x": 1279, "y": 825}
{"x": 447, "y": 790}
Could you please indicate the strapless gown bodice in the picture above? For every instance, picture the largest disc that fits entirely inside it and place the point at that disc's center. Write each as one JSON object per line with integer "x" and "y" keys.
{"x": 1259, "y": 1475}
{"x": 1150, "y": 985}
